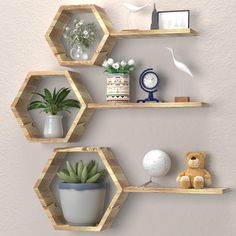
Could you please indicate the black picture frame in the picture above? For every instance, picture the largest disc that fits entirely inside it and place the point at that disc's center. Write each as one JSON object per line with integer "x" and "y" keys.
{"x": 173, "y": 11}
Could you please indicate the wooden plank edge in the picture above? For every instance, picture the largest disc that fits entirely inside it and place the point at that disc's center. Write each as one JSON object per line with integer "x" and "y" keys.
{"x": 77, "y": 228}
{"x": 147, "y": 105}
{"x": 79, "y": 149}
{"x": 158, "y": 32}
{"x": 47, "y": 140}
{"x": 212, "y": 191}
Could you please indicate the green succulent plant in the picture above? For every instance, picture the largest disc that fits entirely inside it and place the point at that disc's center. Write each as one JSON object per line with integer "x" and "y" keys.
{"x": 81, "y": 173}
{"x": 54, "y": 102}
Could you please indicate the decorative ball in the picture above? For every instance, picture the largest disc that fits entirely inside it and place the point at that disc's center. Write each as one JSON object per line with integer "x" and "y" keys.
{"x": 156, "y": 163}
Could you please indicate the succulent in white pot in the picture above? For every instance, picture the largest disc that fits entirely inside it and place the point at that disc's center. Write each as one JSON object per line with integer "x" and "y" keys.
{"x": 82, "y": 193}
{"x": 118, "y": 89}
{"x": 53, "y": 104}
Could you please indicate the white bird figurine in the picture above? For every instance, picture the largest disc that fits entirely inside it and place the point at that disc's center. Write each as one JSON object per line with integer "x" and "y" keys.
{"x": 134, "y": 8}
{"x": 179, "y": 65}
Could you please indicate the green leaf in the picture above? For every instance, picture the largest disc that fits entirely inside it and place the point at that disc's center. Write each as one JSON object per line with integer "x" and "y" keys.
{"x": 54, "y": 95}
{"x": 41, "y": 95}
{"x": 47, "y": 109}
{"x": 70, "y": 103}
{"x": 102, "y": 174}
{"x": 65, "y": 177}
{"x": 62, "y": 95}
{"x": 65, "y": 171}
{"x": 79, "y": 169}
{"x": 84, "y": 175}
{"x": 96, "y": 177}
{"x": 71, "y": 170}
{"x": 35, "y": 105}
{"x": 47, "y": 95}
{"x": 54, "y": 102}
{"x": 93, "y": 171}
{"x": 58, "y": 92}
{"x": 90, "y": 165}
{"x": 70, "y": 167}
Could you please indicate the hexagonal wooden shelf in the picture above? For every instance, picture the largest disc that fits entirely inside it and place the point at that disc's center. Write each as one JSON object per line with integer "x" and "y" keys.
{"x": 48, "y": 201}
{"x": 63, "y": 17}
{"x": 19, "y": 106}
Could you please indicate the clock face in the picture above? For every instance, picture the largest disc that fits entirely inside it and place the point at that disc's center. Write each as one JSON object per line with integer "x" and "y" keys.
{"x": 150, "y": 80}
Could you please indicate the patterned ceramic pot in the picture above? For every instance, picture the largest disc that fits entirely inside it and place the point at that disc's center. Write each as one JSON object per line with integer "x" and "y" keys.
{"x": 117, "y": 88}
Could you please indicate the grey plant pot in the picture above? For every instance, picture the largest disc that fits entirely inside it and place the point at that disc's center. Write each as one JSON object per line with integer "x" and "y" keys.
{"x": 53, "y": 127}
{"x": 82, "y": 204}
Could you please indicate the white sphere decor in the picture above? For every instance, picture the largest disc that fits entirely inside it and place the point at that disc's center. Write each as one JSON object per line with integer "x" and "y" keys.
{"x": 156, "y": 163}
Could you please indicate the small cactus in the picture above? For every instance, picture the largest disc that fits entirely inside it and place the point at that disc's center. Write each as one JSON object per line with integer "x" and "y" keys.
{"x": 81, "y": 173}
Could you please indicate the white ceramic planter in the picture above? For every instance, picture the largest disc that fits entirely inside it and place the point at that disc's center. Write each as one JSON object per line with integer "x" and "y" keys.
{"x": 117, "y": 88}
{"x": 82, "y": 204}
{"x": 53, "y": 127}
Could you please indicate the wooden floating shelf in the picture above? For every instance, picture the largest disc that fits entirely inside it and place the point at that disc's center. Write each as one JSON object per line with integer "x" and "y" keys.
{"x": 132, "y": 189}
{"x": 154, "y": 33}
{"x": 147, "y": 105}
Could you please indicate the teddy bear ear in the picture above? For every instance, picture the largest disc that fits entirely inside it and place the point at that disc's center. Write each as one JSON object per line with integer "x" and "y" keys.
{"x": 202, "y": 154}
{"x": 187, "y": 154}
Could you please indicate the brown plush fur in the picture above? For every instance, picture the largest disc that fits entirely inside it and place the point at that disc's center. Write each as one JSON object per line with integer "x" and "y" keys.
{"x": 195, "y": 176}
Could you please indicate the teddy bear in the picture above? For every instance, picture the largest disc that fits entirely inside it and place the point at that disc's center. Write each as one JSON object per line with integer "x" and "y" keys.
{"x": 195, "y": 176}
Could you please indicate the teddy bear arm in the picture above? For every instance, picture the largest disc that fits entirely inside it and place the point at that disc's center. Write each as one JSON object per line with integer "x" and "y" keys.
{"x": 181, "y": 174}
{"x": 207, "y": 175}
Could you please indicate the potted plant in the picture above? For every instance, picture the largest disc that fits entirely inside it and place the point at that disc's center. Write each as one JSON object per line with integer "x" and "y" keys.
{"x": 118, "y": 79}
{"x": 53, "y": 104}
{"x": 82, "y": 194}
{"x": 80, "y": 36}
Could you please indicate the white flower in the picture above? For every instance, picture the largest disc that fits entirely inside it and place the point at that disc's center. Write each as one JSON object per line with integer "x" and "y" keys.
{"x": 131, "y": 62}
{"x": 110, "y": 61}
{"x": 67, "y": 28}
{"x": 81, "y": 22}
{"x": 105, "y": 64}
{"x": 85, "y": 32}
{"x": 116, "y": 66}
{"x": 123, "y": 63}
{"x": 77, "y": 25}
{"x": 75, "y": 21}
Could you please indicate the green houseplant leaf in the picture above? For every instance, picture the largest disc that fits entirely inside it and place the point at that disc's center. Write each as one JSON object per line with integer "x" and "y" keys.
{"x": 80, "y": 168}
{"x": 81, "y": 173}
{"x": 96, "y": 177}
{"x": 54, "y": 102}
{"x": 84, "y": 175}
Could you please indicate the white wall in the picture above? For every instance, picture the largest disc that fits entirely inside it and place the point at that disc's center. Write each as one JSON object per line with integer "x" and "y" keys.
{"x": 130, "y": 133}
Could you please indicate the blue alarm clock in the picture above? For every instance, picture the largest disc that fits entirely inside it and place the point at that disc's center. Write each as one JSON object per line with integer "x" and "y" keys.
{"x": 149, "y": 82}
